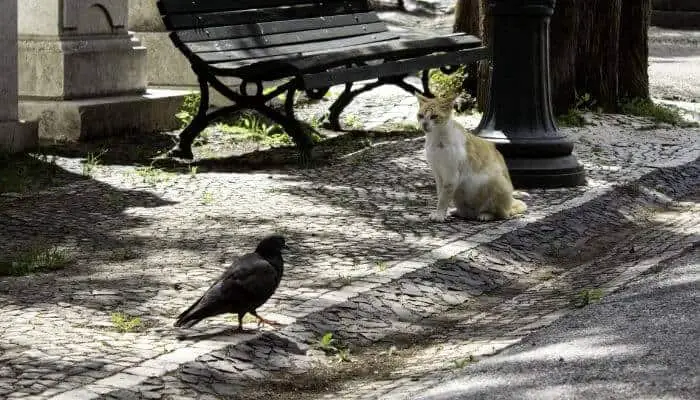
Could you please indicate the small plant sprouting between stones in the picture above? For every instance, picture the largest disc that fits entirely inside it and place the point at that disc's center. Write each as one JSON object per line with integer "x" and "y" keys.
{"x": 193, "y": 170}
{"x": 463, "y": 362}
{"x": 574, "y": 117}
{"x": 125, "y": 323}
{"x": 35, "y": 260}
{"x": 207, "y": 198}
{"x": 586, "y": 297}
{"x": 332, "y": 347}
{"x": 381, "y": 266}
{"x": 188, "y": 109}
{"x": 152, "y": 176}
{"x": 254, "y": 128}
{"x": 92, "y": 161}
{"x": 352, "y": 121}
{"x": 659, "y": 113}
{"x": 247, "y": 319}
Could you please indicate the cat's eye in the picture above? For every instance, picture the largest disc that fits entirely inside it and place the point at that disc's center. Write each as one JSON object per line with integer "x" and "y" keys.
{"x": 433, "y": 116}
{"x": 420, "y": 115}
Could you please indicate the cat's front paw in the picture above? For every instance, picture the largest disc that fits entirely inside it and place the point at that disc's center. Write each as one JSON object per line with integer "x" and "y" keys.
{"x": 485, "y": 217}
{"x": 437, "y": 216}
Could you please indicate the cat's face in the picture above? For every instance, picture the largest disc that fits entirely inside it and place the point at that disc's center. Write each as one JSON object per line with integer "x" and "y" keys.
{"x": 433, "y": 112}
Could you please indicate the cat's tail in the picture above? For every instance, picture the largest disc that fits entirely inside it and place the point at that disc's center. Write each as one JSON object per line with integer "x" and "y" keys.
{"x": 517, "y": 207}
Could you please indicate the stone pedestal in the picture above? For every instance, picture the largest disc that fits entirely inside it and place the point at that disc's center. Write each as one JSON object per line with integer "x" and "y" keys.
{"x": 167, "y": 67}
{"x": 78, "y": 62}
{"x": 15, "y": 135}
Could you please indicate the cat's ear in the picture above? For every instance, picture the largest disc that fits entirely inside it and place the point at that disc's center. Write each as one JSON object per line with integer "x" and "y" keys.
{"x": 421, "y": 99}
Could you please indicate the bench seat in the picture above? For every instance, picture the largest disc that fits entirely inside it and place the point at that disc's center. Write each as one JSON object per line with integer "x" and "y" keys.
{"x": 313, "y": 44}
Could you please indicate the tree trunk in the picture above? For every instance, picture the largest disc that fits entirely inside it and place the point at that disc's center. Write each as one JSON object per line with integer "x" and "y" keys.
{"x": 598, "y": 51}
{"x": 484, "y": 73}
{"x": 468, "y": 20}
{"x": 563, "y": 46}
{"x": 633, "y": 49}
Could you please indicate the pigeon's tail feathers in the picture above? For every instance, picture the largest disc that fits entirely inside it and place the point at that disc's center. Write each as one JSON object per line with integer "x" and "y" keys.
{"x": 186, "y": 323}
{"x": 191, "y": 316}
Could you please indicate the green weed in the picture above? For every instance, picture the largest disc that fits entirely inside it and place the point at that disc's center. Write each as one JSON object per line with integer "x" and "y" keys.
{"x": 188, "y": 109}
{"x": 124, "y": 323}
{"x": 586, "y": 297}
{"x": 34, "y": 260}
{"x": 92, "y": 161}
{"x": 657, "y": 112}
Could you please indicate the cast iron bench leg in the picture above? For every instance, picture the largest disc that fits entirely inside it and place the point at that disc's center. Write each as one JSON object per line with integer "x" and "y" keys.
{"x": 183, "y": 149}
{"x": 349, "y": 95}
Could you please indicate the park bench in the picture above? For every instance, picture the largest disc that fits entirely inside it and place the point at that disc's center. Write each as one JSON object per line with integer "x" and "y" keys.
{"x": 309, "y": 46}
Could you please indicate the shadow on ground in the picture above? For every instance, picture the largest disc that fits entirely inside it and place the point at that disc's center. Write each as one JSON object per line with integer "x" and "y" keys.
{"x": 413, "y": 314}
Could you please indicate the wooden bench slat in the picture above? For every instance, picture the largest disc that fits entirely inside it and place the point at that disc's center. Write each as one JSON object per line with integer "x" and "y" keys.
{"x": 224, "y": 50}
{"x": 298, "y": 50}
{"x": 276, "y": 27}
{"x": 393, "y": 68}
{"x": 200, "y": 6}
{"x": 263, "y": 67}
{"x": 395, "y": 49}
{"x": 202, "y": 20}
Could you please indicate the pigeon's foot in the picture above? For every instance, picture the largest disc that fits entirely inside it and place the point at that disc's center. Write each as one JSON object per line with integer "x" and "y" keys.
{"x": 239, "y": 330}
{"x": 263, "y": 321}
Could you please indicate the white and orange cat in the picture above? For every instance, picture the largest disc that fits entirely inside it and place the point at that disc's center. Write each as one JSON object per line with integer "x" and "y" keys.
{"x": 467, "y": 168}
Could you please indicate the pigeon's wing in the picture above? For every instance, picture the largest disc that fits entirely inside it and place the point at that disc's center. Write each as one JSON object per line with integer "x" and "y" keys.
{"x": 252, "y": 282}
{"x": 246, "y": 284}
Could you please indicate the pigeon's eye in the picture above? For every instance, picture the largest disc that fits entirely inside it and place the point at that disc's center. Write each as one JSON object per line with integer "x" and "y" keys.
{"x": 433, "y": 117}
{"x": 420, "y": 115}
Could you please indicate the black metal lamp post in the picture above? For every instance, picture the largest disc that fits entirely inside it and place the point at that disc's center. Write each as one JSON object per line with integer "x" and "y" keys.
{"x": 518, "y": 116}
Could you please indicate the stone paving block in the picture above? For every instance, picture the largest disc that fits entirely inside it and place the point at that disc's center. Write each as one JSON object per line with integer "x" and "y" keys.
{"x": 78, "y": 394}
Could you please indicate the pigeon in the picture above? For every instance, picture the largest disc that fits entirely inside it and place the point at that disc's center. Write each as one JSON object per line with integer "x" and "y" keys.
{"x": 243, "y": 287}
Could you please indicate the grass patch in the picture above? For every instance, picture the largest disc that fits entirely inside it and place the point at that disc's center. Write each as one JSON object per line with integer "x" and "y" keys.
{"x": 657, "y": 112}
{"x": 586, "y": 297}
{"x": 152, "y": 176}
{"x": 250, "y": 127}
{"x": 207, "y": 198}
{"x": 572, "y": 118}
{"x": 575, "y": 116}
{"x": 22, "y": 173}
{"x": 381, "y": 266}
{"x": 247, "y": 318}
{"x": 92, "y": 161}
{"x": 188, "y": 109}
{"x": 35, "y": 260}
{"x": 352, "y": 121}
{"x": 124, "y": 323}
{"x": 332, "y": 347}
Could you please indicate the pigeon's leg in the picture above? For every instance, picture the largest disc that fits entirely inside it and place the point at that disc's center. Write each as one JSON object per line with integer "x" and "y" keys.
{"x": 240, "y": 324}
{"x": 262, "y": 320}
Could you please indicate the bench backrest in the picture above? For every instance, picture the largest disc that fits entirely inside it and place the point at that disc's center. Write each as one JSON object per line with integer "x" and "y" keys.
{"x": 230, "y": 30}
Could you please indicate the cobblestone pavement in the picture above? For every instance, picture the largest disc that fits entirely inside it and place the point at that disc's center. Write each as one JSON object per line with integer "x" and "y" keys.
{"x": 147, "y": 245}
{"x": 366, "y": 265}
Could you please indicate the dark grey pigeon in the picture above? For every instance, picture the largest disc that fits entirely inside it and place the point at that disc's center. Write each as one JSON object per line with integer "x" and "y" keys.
{"x": 244, "y": 287}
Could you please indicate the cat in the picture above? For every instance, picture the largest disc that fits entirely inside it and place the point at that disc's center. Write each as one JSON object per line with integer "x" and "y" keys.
{"x": 467, "y": 169}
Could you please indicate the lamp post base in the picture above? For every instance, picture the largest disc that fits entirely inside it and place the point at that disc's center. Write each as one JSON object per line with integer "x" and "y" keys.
{"x": 564, "y": 171}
